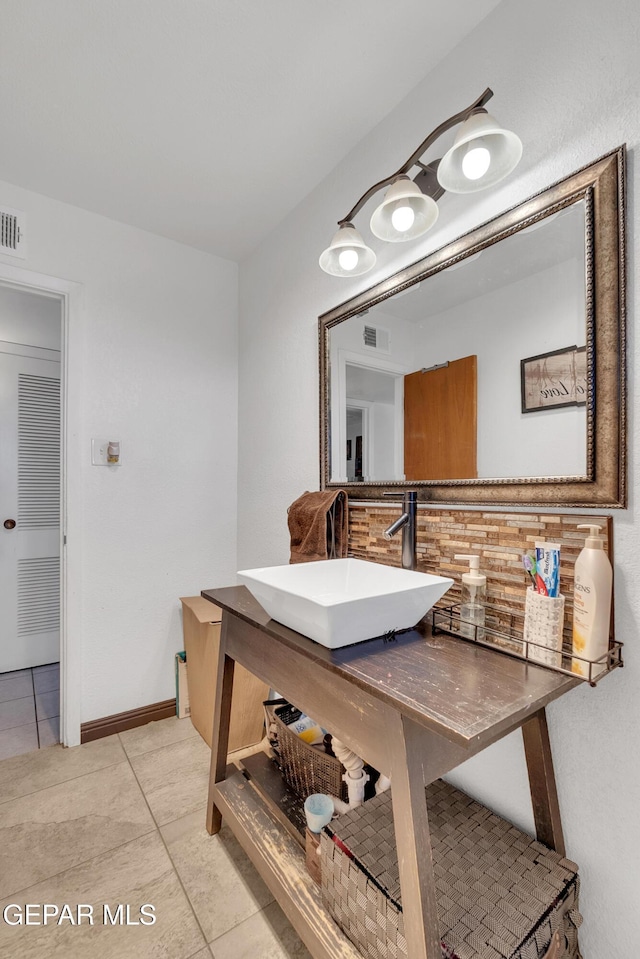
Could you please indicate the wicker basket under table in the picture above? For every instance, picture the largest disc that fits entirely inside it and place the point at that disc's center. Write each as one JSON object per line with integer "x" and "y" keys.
{"x": 501, "y": 894}
{"x": 307, "y": 769}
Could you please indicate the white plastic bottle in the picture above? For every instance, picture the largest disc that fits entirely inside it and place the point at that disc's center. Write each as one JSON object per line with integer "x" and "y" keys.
{"x": 474, "y": 597}
{"x": 593, "y": 581}
{"x": 307, "y": 729}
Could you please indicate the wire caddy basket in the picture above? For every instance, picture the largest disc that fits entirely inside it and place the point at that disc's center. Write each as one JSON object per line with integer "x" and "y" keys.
{"x": 307, "y": 769}
{"x": 504, "y": 631}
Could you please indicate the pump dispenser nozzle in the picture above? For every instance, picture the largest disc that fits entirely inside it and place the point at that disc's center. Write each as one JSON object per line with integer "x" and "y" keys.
{"x": 593, "y": 541}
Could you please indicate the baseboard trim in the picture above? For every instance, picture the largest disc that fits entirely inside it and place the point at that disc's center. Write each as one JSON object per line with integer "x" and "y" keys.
{"x": 108, "y": 725}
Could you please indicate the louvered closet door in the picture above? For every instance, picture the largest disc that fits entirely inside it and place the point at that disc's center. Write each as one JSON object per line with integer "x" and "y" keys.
{"x": 29, "y": 495}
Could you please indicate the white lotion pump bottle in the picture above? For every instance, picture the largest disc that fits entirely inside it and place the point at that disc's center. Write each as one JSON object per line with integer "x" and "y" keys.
{"x": 593, "y": 581}
{"x": 474, "y": 597}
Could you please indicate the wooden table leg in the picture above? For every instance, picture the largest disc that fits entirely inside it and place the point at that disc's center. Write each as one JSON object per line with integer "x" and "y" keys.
{"x": 221, "y": 719}
{"x": 542, "y": 782}
{"x": 413, "y": 840}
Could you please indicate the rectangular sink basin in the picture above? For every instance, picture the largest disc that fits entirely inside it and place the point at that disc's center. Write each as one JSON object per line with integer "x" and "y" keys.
{"x": 338, "y": 602}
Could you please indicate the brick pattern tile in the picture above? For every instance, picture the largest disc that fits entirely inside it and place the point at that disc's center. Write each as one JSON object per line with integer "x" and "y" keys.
{"x": 500, "y": 539}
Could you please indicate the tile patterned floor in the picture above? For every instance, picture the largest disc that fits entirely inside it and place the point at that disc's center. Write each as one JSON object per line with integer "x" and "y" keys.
{"x": 29, "y": 709}
{"x": 121, "y": 821}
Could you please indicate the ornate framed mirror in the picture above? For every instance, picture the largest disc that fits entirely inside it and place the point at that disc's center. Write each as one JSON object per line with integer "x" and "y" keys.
{"x": 493, "y": 370}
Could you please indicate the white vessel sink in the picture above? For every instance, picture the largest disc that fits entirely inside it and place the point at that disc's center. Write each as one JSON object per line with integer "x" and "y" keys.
{"x": 338, "y": 602}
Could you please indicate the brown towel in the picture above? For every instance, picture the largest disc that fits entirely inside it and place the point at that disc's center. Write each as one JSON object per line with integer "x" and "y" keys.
{"x": 311, "y": 520}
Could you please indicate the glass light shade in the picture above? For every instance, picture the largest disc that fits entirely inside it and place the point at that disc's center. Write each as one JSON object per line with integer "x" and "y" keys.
{"x": 459, "y": 171}
{"x": 404, "y": 213}
{"x": 347, "y": 254}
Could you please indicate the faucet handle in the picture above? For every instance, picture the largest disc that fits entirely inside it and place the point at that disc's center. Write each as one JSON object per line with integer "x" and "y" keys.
{"x": 408, "y": 495}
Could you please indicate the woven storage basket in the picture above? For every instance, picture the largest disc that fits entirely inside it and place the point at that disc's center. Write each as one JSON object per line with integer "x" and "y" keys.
{"x": 501, "y": 894}
{"x": 307, "y": 769}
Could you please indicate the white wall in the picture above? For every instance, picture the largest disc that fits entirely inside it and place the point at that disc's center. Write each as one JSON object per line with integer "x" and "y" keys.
{"x": 537, "y": 314}
{"x": 565, "y": 77}
{"x": 156, "y": 342}
{"x": 30, "y": 319}
{"x": 384, "y": 440}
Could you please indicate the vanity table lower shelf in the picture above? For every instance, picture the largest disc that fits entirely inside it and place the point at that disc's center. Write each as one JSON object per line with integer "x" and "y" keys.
{"x": 280, "y": 860}
{"x": 414, "y": 708}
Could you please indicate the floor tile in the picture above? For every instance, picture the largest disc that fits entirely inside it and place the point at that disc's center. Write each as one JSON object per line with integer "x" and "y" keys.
{"x": 46, "y": 667}
{"x": 46, "y": 681}
{"x": 268, "y": 934}
{"x": 16, "y": 686}
{"x": 174, "y": 779}
{"x": 17, "y": 712}
{"x": 49, "y": 732}
{"x": 137, "y": 873}
{"x": 27, "y": 774}
{"x": 58, "y": 827}
{"x": 15, "y": 742}
{"x": 219, "y": 878}
{"x": 155, "y": 735}
{"x": 48, "y": 704}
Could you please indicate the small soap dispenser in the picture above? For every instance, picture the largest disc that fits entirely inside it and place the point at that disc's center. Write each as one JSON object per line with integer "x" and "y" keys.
{"x": 474, "y": 597}
{"x": 593, "y": 581}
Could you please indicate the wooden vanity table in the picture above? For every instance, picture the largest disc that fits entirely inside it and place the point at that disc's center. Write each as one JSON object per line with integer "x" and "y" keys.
{"x": 413, "y": 708}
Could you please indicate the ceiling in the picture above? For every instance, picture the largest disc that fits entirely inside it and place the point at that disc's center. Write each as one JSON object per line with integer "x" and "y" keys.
{"x": 558, "y": 238}
{"x": 206, "y": 121}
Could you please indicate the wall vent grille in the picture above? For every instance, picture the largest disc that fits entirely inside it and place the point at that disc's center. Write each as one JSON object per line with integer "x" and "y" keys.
{"x": 12, "y": 232}
{"x": 38, "y": 595}
{"x": 376, "y": 338}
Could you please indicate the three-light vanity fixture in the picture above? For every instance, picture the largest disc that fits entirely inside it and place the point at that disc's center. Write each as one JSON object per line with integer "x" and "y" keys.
{"x": 482, "y": 154}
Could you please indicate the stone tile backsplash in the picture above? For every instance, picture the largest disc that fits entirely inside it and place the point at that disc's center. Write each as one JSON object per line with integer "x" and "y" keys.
{"x": 499, "y": 539}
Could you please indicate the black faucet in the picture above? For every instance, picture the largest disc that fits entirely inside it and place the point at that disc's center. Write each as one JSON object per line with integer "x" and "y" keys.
{"x": 407, "y": 522}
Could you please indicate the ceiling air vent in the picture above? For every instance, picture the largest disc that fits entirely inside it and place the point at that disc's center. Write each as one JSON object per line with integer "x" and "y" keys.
{"x": 12, "y": 232}
{"x": 376, "y": 338}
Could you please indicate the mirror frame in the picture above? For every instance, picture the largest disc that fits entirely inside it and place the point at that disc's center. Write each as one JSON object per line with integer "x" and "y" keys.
{"x": 602, "y": 186}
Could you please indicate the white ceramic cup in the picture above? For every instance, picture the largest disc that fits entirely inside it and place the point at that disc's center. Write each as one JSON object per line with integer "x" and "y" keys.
{"x": 318, "y": 809}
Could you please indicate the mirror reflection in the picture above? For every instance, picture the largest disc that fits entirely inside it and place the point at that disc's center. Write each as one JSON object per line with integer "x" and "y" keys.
{"x": 479, "y": 371}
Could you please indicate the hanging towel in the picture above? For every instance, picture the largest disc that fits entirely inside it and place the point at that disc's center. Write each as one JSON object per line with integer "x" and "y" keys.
{"x": 318, "y": 526}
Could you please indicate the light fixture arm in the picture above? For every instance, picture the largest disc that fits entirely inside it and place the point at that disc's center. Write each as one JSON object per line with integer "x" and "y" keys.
{"x": 415, "y": 156}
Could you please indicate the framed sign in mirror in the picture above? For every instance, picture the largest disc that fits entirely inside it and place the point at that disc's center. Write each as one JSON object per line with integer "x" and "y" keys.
{"x": 493, "y": 370}
{"x": 554, "y": 379}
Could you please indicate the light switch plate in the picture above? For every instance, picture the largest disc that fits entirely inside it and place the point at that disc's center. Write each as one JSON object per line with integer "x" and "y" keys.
{"x": 99, "y": 453}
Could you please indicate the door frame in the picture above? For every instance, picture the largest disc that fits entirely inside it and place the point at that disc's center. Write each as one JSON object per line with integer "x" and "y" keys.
{"x": 339, "y": 402}
{"x": 69, "y": 295}
{"x": 367, "y": 411}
